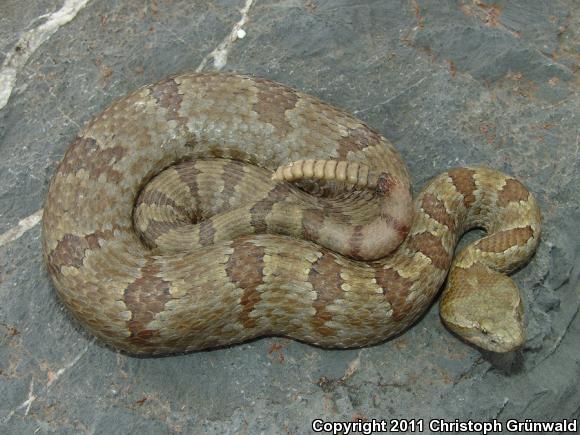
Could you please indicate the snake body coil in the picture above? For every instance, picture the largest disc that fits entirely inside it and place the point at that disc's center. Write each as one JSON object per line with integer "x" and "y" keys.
{"x": 210, "y": 209}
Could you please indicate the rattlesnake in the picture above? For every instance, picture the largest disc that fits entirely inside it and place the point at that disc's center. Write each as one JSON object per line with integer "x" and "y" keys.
{"x": 210, "y": 209}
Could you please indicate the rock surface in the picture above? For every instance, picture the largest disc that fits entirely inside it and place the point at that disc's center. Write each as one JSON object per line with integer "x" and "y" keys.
{"x": 450, "y": 83}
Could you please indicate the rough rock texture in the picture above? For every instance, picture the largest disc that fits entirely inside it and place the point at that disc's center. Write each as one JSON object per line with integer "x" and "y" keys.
{"x": 450, "y": 83}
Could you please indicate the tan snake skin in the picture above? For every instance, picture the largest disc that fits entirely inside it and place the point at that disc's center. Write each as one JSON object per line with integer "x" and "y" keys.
{"x": 209, "y": 209}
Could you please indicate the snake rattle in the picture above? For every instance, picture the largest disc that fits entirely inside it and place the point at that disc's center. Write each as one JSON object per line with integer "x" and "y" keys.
{"x": 210, "y": 209}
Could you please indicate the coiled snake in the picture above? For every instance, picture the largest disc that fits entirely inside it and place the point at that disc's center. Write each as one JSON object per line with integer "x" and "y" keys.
{"x": 209, "y": 209}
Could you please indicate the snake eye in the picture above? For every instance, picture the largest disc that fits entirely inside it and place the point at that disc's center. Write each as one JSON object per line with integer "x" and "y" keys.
{"x": 484, "y": 331}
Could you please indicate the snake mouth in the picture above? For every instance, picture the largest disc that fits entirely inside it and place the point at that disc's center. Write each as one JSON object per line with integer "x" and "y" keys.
{"x": 499, "y": 338}
{"x": 500, "y": 341}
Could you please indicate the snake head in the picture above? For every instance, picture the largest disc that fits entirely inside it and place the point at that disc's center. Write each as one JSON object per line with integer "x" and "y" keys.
{"x": 484, "y": 308}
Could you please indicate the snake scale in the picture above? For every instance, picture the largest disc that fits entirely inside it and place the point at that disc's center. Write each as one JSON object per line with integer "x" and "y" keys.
{"x": 210, "y": 209}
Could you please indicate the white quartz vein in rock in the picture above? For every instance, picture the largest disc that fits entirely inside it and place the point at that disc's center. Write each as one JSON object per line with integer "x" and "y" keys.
{"x": 30, "y": 41}
{"x": 32, "y": 397}
{"x": 24, "y": 225}
{"x": 220, "y": 53}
